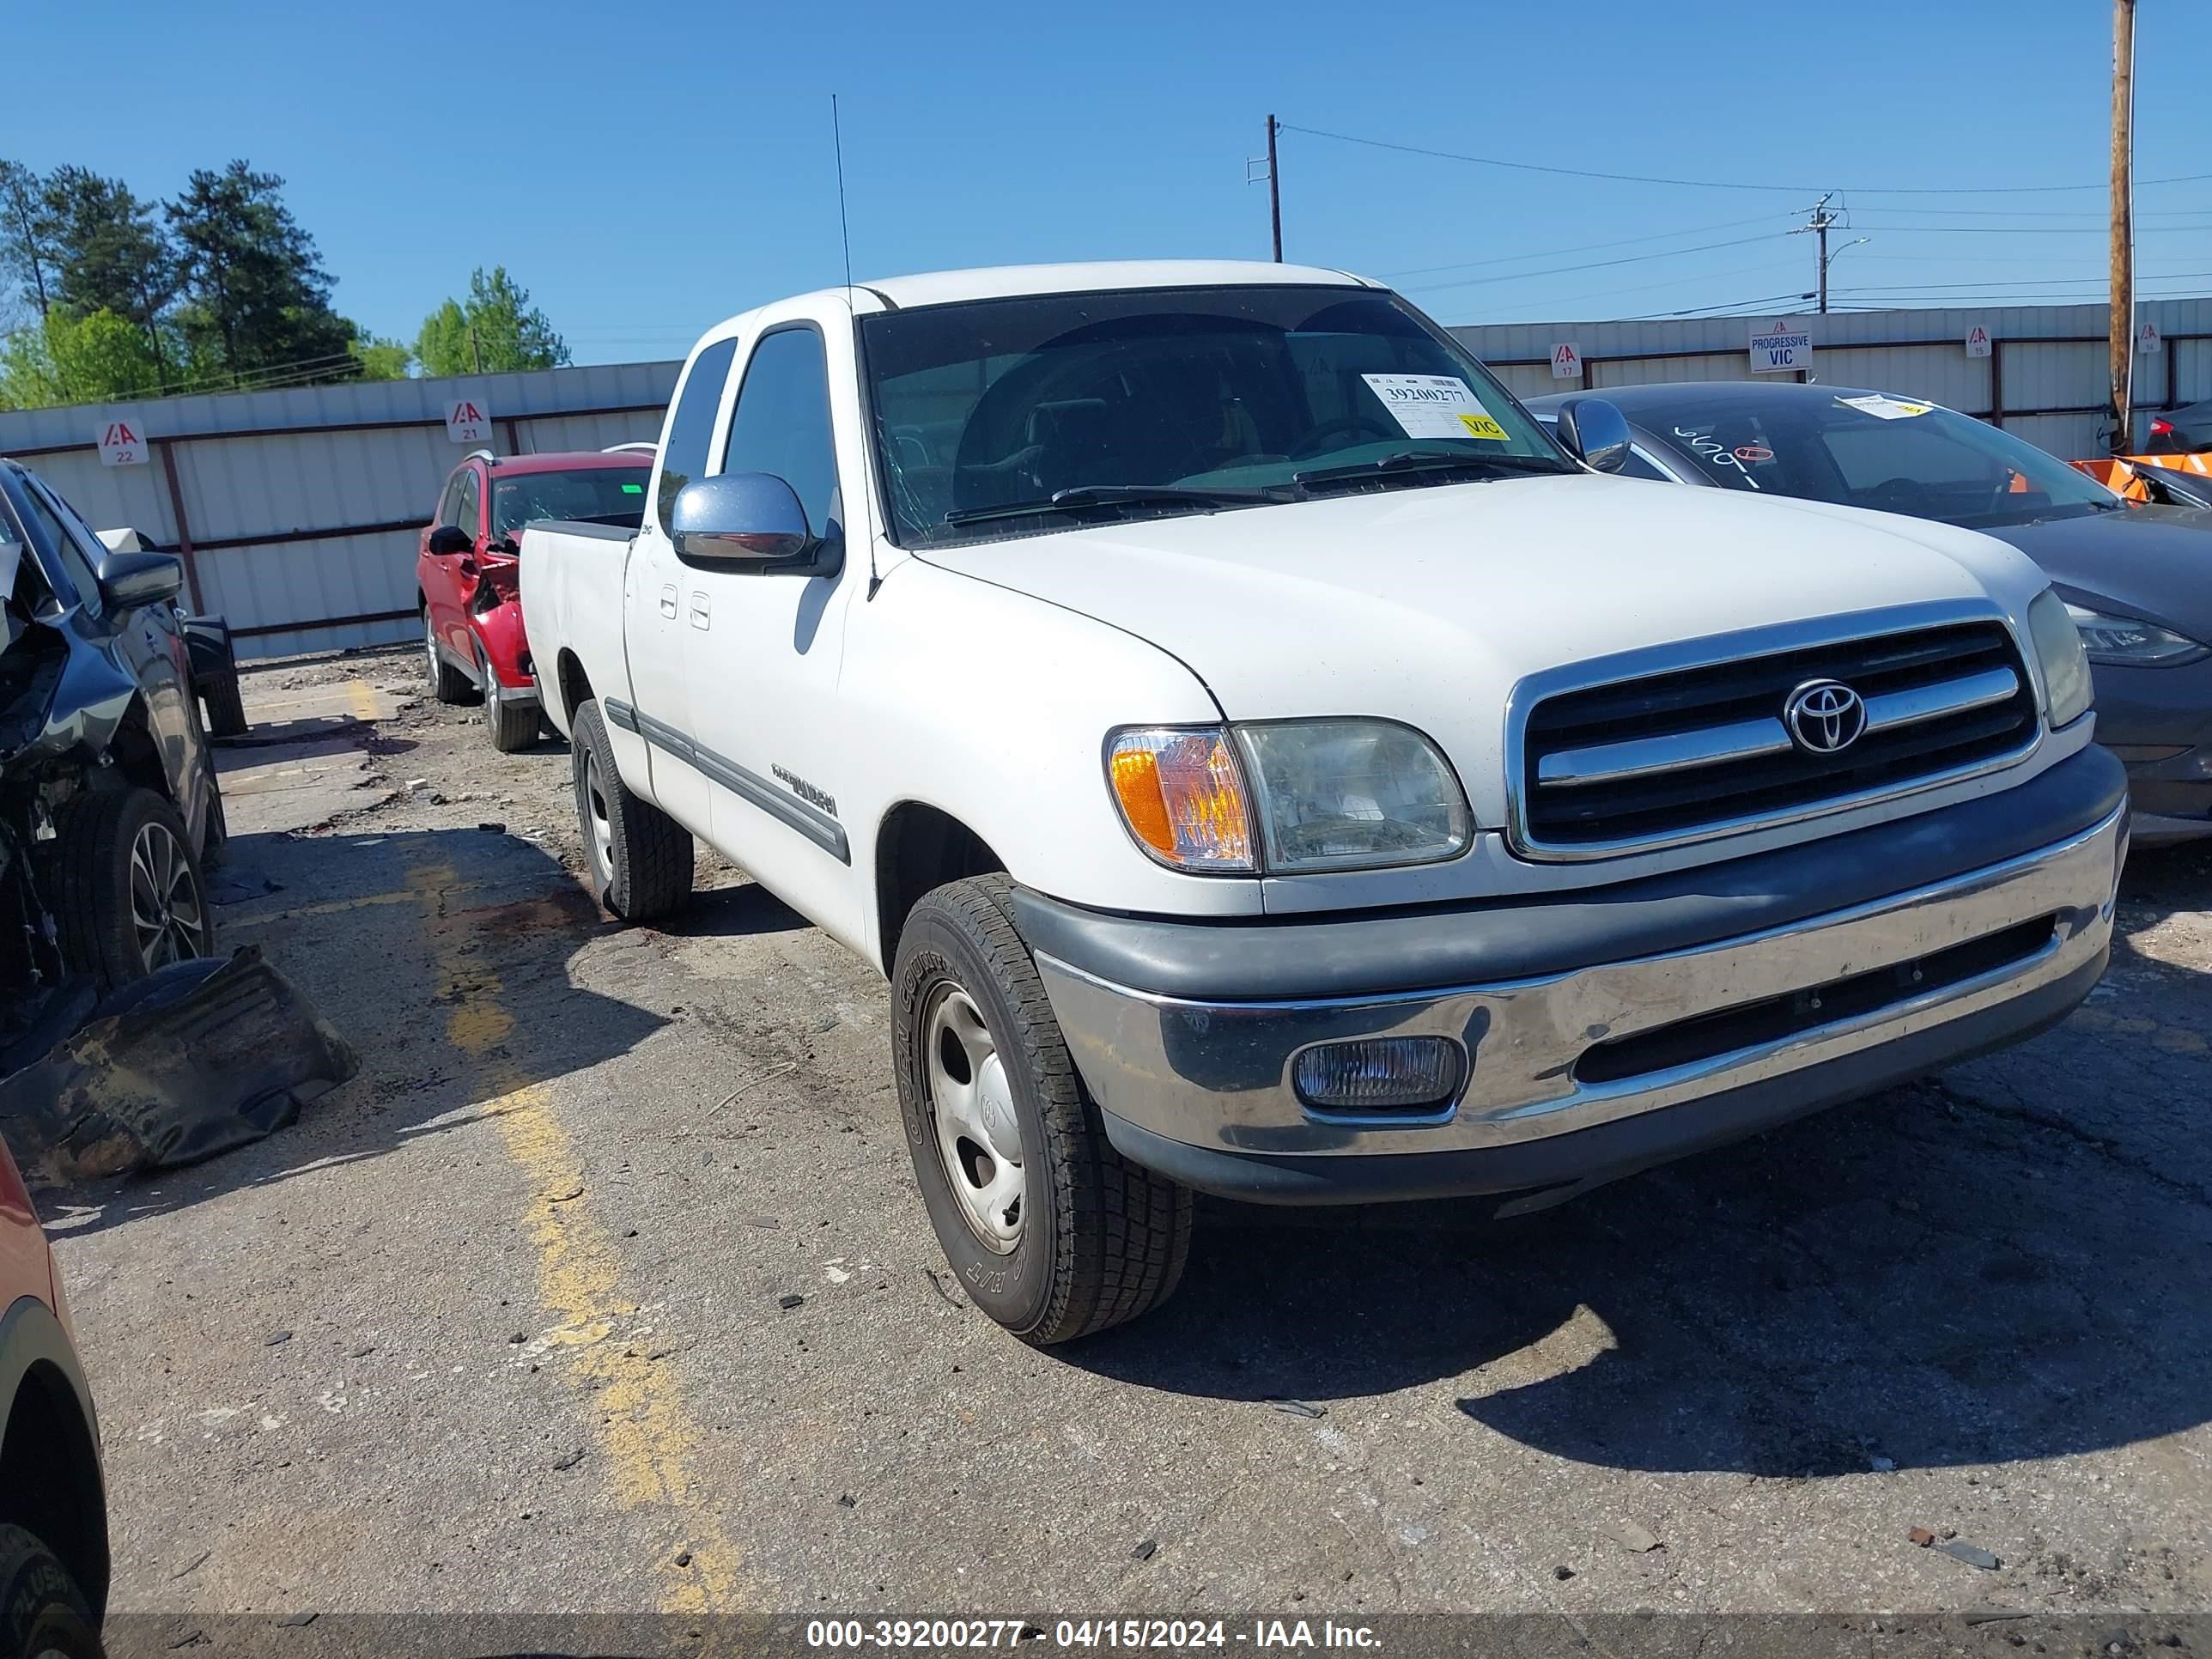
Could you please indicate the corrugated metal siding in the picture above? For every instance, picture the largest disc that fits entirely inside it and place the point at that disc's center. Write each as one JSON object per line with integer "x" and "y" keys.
{"x": 255, "y": 466}
{"x": 2052, "y": 356}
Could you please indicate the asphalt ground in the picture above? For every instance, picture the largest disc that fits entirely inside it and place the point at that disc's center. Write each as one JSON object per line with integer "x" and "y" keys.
{"x": 501, "y": 1325}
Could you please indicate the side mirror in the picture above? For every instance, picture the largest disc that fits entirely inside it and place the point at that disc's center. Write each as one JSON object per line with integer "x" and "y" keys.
{"x": 753, "y": 517}
{"x": 448, "y": 538}
{"x": 1596, "y": 433}
{"x": 130, "y": 580}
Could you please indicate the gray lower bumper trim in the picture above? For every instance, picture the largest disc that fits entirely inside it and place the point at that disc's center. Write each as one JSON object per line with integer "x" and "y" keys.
{"x": 1609, "y": 1150}
{"x": 1549, "y": 1054}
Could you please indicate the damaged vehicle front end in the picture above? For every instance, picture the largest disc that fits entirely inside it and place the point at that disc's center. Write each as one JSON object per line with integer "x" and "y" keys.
{"x": 110, "y": 813}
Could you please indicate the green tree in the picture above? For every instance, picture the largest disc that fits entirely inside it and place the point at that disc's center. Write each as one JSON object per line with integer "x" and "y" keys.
{"x": 495, "y": 331}
{"x": 257, "y": 301}
{"x": 26, "y": 233}
{"x": 67, "y": 359}
{"x": 111, "y": 252}
{"x": 381, "y": 359}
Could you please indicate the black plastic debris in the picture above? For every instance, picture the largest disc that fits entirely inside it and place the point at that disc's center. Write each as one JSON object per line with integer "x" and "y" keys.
{"x": 194, "y": 1060}
{"x": 1971, "y": 1555}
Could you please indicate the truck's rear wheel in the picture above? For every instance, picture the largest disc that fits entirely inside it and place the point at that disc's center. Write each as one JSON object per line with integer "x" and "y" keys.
{"x": 43, "y": 1613}
{"x": 1052, "y": 1232}
{"x": 640, "y": 857}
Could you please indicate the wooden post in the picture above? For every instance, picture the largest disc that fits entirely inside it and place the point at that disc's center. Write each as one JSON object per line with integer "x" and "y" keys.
{"x": 2121, "y": 321}
{"x": 1274, "y": 192}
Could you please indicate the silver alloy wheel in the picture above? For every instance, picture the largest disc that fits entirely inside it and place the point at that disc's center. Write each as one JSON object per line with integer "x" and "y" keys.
{"x": 979, "y": 1138}
{"x": 599, "y": 825}
{"x": 168, "y": 913}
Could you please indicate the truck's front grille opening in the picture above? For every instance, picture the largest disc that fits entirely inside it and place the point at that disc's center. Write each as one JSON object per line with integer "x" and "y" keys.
{"x": 1753, "y": 1024}
{"x": 1652, "y": 759}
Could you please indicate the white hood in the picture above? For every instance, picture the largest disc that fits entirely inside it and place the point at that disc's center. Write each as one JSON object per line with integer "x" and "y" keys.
{"x": 1426, "y": 605}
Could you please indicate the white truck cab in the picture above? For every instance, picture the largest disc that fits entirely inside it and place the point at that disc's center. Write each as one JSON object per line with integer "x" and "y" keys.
{"x": 1264, "y": 762}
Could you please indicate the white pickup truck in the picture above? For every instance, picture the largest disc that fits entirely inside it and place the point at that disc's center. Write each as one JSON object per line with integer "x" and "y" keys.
{"x": 1265, "y": 762}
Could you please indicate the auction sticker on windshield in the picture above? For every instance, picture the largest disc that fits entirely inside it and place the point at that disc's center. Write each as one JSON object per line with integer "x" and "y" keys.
{"x": 1434, "y": 406}
{"x": 1884, "y": 407}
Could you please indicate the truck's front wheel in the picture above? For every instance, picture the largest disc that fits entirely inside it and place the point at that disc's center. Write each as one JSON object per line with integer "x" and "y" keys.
{"x": 1051, "y": 1231}
{"x": 640, "y": 857}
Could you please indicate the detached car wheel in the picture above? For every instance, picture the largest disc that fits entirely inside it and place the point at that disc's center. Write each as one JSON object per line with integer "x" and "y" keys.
{"x": 1052, "y": 1232}
{"x": 447, "y": 683}
{"x": 43, "y": 1613}
{"x": 226, "y": 708}
{"x": 641, "y": 859}
{"x": 130, "y": 895}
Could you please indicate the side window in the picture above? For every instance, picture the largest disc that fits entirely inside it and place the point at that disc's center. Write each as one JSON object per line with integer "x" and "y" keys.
{"x": 1641, "y": 465}
{"x": 447, "y": 497}
{"x": 467, "y": 502}
{"x": 81, "y": 565}
{"x": 691, "y": 429}
{"x": 781, "y": 422}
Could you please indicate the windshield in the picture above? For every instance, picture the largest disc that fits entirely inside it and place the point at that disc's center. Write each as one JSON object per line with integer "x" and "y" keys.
{"x": 1173, "y": 399}
{"x": 1870, "y": 449}
{"x": 610, "y": 495}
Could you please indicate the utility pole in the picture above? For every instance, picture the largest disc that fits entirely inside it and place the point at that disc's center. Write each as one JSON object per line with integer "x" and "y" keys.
{"x": 1274, "y": 190}
{"x": 1819, "y": 222}
{"x": 2121, "y": 303}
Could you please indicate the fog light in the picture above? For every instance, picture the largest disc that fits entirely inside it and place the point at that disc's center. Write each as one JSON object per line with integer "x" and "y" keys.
{"x": 1379, "y": 1074}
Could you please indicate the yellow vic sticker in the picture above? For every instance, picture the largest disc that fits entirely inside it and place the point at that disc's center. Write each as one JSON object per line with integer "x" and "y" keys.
{"x": 1481, "y": 426}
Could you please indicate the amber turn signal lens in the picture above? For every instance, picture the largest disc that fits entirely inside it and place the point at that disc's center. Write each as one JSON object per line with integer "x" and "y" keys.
{"x": 1182, "y": 796}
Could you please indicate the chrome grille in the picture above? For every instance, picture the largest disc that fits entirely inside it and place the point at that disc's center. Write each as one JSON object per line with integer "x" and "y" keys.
{"x": 1669, "y": 756}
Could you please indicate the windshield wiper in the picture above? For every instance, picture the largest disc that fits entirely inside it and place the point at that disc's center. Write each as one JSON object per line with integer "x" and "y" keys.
{"x": 1426, "y": 461}
{"x": 1079, "y": 498}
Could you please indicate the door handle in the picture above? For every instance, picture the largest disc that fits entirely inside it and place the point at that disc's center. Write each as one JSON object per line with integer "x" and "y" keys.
{"x": 668, "y": 601}
{"x": 702, "y": 616}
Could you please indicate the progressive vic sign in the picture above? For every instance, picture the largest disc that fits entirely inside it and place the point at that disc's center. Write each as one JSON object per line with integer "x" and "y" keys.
{"x": 1780, "y": 348}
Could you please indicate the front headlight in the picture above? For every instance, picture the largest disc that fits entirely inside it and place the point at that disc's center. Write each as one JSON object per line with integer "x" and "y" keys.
{"x": 1331, "y": 794}
{"x": 2066, "y": 683}
{"x": 2125, "y": 639}
{"x": 1353, "y": 795}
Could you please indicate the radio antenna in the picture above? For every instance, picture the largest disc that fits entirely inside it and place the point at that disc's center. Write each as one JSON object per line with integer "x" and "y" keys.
{"x": 844, "y": 230}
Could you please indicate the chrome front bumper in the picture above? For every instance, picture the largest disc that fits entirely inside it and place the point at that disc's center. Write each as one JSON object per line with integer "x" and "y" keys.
{"x": 1216, "y": 1075}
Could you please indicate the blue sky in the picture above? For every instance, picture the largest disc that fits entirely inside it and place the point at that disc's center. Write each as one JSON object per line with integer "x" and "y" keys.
{"x": 647, "y": 169}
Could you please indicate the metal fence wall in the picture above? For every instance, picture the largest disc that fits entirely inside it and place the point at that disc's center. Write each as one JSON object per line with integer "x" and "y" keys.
{"x": 298, "y": 512}
{"x": 2043, "y": 380}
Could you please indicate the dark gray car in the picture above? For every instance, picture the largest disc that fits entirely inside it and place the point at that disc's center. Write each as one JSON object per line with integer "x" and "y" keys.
{"x": 109, "y": 806}
{"x": 2138, "y": 579}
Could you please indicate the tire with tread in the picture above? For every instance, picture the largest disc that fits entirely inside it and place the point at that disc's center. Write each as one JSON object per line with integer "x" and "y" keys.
{"x": 512, "y": 726}
{"x": 42, "y": 1610}
{"x": 648, "y": 871}
{"x": 90, "y": 889}
{"x": 447, "y": 683}
{"x": 226, "y": 707}
{"x": 1102, "y": 1240}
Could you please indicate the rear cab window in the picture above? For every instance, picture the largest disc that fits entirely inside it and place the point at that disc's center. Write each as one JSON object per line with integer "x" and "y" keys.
{"x": 691, "y": 427}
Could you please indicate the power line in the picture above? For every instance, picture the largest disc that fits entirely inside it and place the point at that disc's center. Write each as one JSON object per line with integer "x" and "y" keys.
{"x": 1587, "y": 247}
{"x": 1718, "y": 184}
{"x": 1595, "y": 265}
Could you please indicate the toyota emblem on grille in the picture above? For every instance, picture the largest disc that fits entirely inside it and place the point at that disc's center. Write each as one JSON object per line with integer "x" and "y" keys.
{"x": 1825, "y": 717}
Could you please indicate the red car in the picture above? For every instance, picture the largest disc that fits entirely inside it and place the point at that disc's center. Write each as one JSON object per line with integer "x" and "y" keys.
{"x": 468, "y": 577}
{"x": 53, "y": 1502}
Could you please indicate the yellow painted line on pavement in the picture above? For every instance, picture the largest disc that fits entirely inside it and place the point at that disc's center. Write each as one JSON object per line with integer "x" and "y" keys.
{"x": 648, "y": 1439}
{"x": 2168, "y": 1039}
{"x": 362, "y": 701}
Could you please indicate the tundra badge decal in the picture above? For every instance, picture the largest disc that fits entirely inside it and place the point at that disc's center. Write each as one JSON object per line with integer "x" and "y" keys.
{"x": 806, "y": 791}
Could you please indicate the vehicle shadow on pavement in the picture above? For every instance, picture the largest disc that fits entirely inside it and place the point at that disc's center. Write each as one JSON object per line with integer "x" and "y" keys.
{"x": 446, "y": 957}
{"x": 736, "y": 911}
{"x": 2013, "y": 1261}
